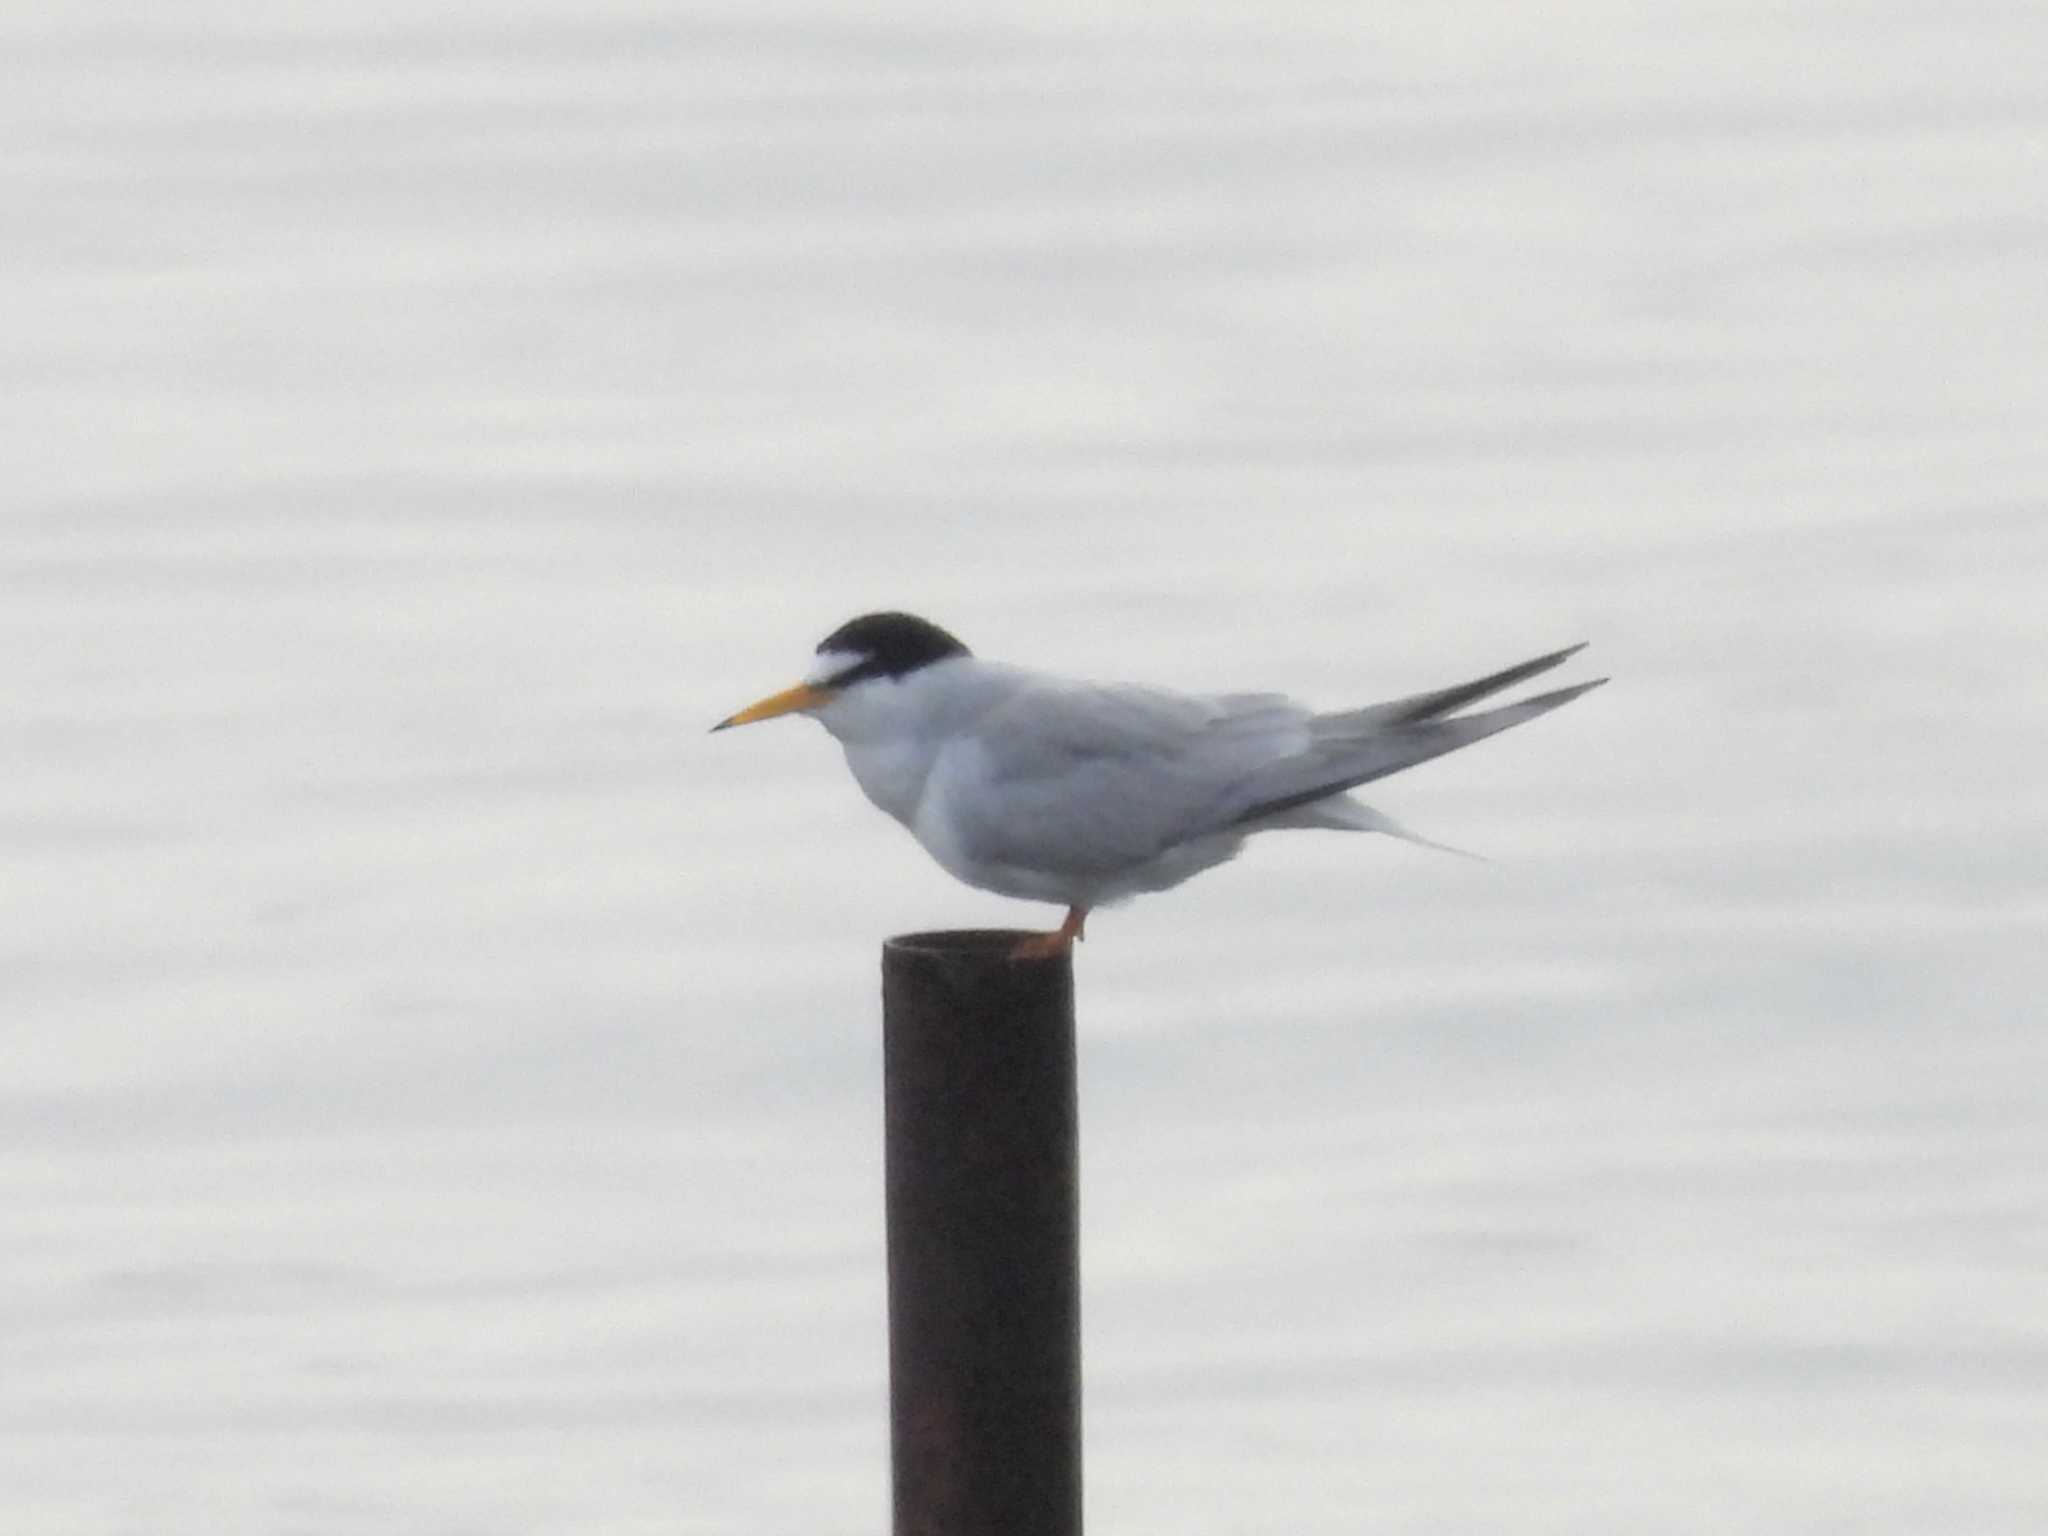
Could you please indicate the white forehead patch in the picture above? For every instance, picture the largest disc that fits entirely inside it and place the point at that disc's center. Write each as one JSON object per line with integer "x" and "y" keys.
{"x": 829, "y": 664}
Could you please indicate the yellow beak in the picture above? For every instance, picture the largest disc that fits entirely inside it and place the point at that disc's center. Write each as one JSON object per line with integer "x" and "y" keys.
{"x": 787, "y": 702}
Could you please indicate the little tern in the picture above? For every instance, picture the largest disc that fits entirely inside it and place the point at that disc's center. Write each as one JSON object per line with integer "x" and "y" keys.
{"x": 1086, "y": 794}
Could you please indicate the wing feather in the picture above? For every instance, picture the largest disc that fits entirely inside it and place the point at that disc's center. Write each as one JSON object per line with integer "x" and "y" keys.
{"x": 1081, "y": 778}
{"x": 1345, "y": 756}
{"x": 1093, "y": 778}
{"x": 1441, "y": 701}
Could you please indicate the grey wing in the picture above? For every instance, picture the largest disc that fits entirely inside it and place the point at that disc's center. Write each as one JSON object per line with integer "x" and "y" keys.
{"x": 1086, "y": 779}
{"x": 1354, "y": 747}
{"x": 1441, "y": 701}
{"x": 1083, "y": 779}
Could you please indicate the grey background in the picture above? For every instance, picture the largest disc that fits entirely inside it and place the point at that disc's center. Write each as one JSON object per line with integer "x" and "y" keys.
{"x": 442, "y": 1086}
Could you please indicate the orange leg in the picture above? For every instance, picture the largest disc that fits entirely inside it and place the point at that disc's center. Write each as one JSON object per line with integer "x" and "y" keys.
{"x": 1050, "y": 946}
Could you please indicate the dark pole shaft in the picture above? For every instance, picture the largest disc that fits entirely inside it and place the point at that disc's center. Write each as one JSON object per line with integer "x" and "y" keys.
{"x": 984, "y": 1238}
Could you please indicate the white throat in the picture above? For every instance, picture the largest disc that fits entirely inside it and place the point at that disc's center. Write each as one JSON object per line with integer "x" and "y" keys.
{"x": 894, "y": 729}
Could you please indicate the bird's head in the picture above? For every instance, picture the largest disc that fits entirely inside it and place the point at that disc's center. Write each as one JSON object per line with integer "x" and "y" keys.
{"x": 876, "y": 648}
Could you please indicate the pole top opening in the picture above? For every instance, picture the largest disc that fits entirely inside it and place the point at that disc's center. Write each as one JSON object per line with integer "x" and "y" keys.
{"x": 960, "y": 941}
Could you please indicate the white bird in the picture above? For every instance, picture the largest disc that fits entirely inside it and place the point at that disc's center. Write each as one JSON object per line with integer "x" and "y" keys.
{"x": 1082, "y": 793}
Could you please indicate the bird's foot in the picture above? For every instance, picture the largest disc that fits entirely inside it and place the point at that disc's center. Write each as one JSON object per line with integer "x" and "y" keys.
{"x": 1041, "y": 946}
{"x": 1051, "y": 946}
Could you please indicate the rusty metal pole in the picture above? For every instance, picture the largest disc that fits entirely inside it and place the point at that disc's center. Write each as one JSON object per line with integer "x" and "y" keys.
{"x": 984, "y": 1238}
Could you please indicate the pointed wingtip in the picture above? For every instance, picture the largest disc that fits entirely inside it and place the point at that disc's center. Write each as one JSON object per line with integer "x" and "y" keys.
{"x": 1566, "y": 695}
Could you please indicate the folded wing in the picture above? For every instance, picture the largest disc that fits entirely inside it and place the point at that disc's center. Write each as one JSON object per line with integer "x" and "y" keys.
{"x": 1081, "y": 779}
{"x": 1347, "y": 754}
{"x": 1078, "y": 778}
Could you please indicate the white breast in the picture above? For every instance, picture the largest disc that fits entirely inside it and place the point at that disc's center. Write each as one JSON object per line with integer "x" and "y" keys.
{"x": 893, "y": 729}
{"x": 891, "y": 772}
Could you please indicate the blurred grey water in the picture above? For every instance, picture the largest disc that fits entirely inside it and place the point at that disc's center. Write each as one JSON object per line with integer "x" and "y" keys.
{"x": 442, "y": 1086}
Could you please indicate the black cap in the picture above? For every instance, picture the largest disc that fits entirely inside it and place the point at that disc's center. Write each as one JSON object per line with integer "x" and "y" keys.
{"x": 889, "y": 645}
